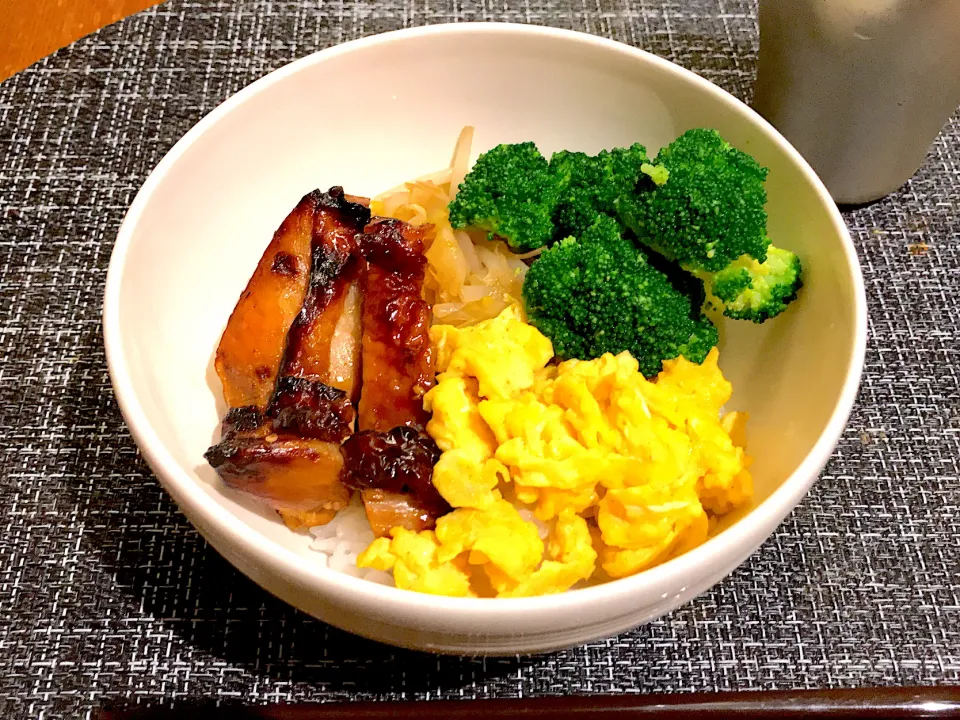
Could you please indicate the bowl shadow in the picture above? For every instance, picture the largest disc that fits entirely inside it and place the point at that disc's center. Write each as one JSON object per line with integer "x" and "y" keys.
{"x": 163, "y": 567}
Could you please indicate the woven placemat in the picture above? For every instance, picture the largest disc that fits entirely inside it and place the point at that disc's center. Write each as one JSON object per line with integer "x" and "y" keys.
{"x": 108, "y": 596}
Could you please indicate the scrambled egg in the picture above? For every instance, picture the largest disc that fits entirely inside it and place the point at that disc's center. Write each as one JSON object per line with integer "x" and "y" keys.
{"x": 564, "y": 473}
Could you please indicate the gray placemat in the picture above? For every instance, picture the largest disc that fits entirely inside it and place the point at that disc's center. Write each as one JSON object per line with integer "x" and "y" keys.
{"x": 108, "y": 596}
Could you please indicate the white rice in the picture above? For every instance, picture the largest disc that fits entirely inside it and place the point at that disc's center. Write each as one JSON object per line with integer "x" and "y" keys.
{"x": 542, "y": 529}
{"x": 340, "y": 541}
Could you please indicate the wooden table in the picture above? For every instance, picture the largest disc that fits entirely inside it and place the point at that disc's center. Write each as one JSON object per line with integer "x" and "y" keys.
{"x": 32, "y": 29}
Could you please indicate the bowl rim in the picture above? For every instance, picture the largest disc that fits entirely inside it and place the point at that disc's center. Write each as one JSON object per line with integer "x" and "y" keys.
{"x": 188, "y": 492}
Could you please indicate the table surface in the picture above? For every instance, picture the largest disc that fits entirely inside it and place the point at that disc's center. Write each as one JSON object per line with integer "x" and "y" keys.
{"x": 108, "y": 596}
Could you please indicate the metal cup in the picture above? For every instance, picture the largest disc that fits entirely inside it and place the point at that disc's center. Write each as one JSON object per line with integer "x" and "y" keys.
{"x": 860, "y": 87}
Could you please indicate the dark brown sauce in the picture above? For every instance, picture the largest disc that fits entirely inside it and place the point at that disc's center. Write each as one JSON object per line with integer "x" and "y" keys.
{"x": 404, "y": 321}
{"x": 242, "y": 419}
{"x": 394, "y": 246}
{"x": 400, "y": 460}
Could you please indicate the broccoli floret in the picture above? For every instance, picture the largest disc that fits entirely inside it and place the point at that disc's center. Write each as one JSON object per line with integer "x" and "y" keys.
{"x": 591, "y": 184}
{"x": 598, "y": 294}
{"x": 509, "y": 192}
{"x": 709, "y": 211}
{"x": 708, "y": 215}
{"x": 687, "y": 283}
{"x": 751, "y": 290}
{"x": 581, "y": 177}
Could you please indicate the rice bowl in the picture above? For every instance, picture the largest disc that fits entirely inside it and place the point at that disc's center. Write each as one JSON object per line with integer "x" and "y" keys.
{"x": 207, "y": 206}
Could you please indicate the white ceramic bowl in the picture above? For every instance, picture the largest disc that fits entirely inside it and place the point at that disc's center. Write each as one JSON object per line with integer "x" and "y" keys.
{"x": 368, "y": 115}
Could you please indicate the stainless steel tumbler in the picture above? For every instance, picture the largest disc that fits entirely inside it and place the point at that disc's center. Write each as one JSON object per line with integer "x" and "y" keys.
{"x": 860, "y": 87}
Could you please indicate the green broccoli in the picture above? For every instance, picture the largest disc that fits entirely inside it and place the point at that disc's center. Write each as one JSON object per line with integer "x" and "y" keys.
{"x": 513, "y": 192}
{"x": 751, "y": 290}
{"x": 657, "y": 173}
{"x": 591, "y": 184}
{"x": 708, "y": 215}
{"x": 598, "y": 294}
{"x": 509, "y": 192}
{"x": 687, "y": 283}
{"x": 710, "y": 210}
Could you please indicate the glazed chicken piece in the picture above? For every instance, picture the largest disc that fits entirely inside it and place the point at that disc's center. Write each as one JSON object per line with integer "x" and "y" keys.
{"x": 307, "y": 253}
{"x": 300, "y": 477}
{"x": 291, "y": 456}
{"x": 393, "y": 471}
{"x": 323, "y": 342}
{"x": 391, "y": 459}
{"x": 355, "y": 352}
{"x": 397, "y": 356}
{"x": 251, "y": 347}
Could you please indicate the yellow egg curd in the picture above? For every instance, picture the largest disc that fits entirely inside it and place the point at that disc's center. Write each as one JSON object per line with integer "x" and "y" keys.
{"x": 559, "y": 474}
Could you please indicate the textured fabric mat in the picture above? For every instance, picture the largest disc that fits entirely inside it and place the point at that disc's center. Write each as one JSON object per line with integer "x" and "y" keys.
{"x": 108, "y": 596}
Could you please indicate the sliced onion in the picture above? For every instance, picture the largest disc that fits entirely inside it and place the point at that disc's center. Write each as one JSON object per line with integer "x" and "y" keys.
{"x": 441, "y": 177}
{"x": 448, "y": 262}
{"x": 460, "y": 163}
{"x": 474, "y": 293}
{"x": 469, "y": 278}
{"x": 528, "y": 255}
{"x": 411, "y": 213}
{"x": 469, "y": 251}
